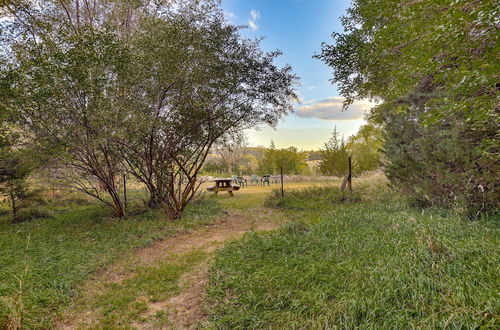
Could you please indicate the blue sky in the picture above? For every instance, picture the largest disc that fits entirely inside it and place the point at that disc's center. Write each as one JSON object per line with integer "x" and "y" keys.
{"x": 297, "y": 27}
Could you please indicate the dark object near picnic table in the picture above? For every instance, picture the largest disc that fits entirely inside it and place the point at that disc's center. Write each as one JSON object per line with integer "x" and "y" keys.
{"x": 223, "y": 185}
{"x": 264, "y": 179}
{"x": 242, "y": 182}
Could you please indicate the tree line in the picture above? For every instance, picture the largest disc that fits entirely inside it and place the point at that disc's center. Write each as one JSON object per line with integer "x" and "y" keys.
{"x": 92, "y": 90}
{"x": 233, "y": 156}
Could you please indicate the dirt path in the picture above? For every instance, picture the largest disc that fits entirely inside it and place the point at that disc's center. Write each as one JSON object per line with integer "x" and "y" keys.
{"x": 184, "y": 309}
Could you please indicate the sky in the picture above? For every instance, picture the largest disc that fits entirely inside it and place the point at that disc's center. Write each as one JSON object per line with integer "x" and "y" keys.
{"x": 297, "y": 28}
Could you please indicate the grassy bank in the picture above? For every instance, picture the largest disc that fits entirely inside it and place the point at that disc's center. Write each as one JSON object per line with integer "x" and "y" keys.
{"x": 43, "y": 261}
{"x": 367, "y": 261}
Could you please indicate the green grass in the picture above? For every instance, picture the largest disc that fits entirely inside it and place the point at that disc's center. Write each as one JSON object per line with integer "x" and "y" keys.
{"x": 43, "y": 261}
{"x": 124, "y": 303}
{"x": 377, "y": 263}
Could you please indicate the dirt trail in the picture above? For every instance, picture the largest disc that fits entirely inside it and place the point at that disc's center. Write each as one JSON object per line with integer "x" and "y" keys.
{"x": 184, "y": 309}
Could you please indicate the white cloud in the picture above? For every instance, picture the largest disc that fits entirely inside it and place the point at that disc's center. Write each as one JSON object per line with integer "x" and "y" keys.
{"x": 254, "y": 14}
{"x": 252, "y": 22}
{"x": 252, "y": 25}
{"x": 311, "y": 88}
{"x": 330, "y": 109}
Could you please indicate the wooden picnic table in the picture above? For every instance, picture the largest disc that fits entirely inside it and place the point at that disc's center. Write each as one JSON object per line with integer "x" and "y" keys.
{"x": 223, "y": 185}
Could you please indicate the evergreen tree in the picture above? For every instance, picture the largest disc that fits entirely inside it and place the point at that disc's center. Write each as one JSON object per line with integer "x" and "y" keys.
{"x": 334, "y": 156}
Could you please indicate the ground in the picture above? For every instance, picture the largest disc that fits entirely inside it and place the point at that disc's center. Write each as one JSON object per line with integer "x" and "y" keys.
{"x": 318, "y": 258}
{"x": 182, "y": 304}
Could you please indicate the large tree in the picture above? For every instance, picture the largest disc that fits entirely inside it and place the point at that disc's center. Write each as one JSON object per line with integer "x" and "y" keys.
{"x": 132, "y": 86}
{"x": 70, "y": 66}
{"x": 193, "y": 91}
{"x": 434, "y": 67}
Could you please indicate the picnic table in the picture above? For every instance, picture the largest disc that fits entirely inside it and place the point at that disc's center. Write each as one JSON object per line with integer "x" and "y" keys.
{"x": 223, "y": 185}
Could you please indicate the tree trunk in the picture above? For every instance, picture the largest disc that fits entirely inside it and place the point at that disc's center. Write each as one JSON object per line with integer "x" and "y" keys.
{"x": 117, "y": 202}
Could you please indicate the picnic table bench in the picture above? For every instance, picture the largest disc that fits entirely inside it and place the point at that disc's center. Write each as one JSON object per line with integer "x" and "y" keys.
{"x": 223, "y": 185}
{"x": 265, "y": 179}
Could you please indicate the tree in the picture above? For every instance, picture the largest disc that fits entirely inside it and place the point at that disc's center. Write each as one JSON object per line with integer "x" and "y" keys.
{"x": 231, "y": 151}
{"x": 15, "y": 167}
{"x": 17, "y": 161}
{"x": 290, "y": 159}
{"x": 365, "y": 147}
{"x": 433, "y": 65}
{"x": 15, "y": 164}
{"x": 68, "y": 63}
{"x": 334, "y": 156}
{"x": 202, "y": 86}
{"x": 138, "y": 88}
{"x": 68, "y": 95}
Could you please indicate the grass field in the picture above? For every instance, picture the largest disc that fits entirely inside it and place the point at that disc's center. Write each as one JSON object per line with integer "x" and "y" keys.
{"x": 365, "y": 259}
{"x": 368, "y": 261}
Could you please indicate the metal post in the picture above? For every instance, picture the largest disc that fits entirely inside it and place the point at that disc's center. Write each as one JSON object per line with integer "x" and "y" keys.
{"x": 282, "y": 192}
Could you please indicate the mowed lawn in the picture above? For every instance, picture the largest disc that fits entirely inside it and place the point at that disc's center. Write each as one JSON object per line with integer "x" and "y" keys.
{"x": 366, "y": 260}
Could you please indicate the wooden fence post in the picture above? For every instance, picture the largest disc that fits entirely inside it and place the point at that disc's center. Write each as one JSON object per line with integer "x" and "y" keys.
{"x": 282, "y": 192}
{"x": 348, "y": 178}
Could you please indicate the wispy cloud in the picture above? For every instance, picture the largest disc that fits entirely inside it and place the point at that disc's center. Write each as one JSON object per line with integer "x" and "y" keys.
{"x": 330, "y": 109}
{"x": 311, "y": 88}
{"x": 252, "y": 22}
{"x": 229, "y": 15}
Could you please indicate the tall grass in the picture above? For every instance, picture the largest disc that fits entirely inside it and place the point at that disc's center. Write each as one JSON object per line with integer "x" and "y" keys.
{"x": 43, "y": 261}
{"x": 376, "y": 263}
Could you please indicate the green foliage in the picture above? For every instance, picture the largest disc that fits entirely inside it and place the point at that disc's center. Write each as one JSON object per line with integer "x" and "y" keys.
{"x": 291, "y": 159}
{"x": 373, "y": 264}
{"x": 130, "y": 87}
{"x": 334, "y": 156}
{"x": 434, "y": 67}
{"x": 365, "y": 147}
